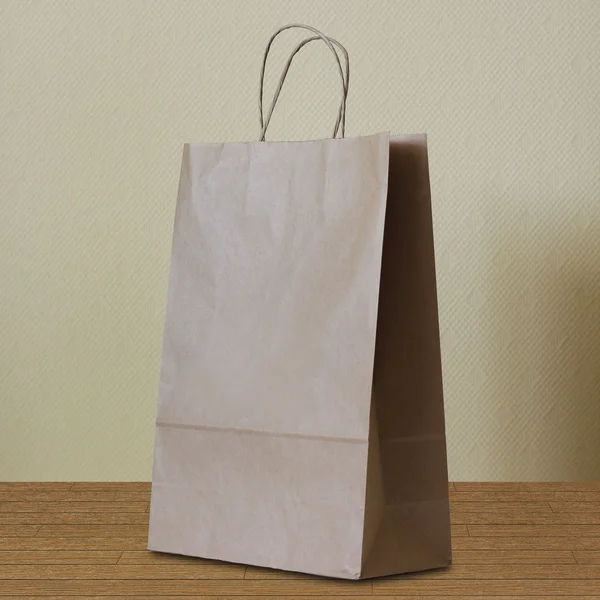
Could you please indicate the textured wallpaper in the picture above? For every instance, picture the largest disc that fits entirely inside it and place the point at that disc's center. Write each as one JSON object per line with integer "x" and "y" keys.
{"x": 97, "y": 99}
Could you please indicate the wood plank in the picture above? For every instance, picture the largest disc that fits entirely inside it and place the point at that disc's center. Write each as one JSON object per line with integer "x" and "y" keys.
{"x": 534, "y": 530}
{"x": 105, "y": 496}
{"x": 472, "y": 571}
{"x": 526, "y": 543}
{"x": 511, "y": 571}
{"x": 260, "y": 573}
{"x": 523, "y": 496}
{"x": 421, "y": 597}
{"x": 35, "y": 486}
{"x": 53, "y": 557}
{"x": 525, "y": 486}
{"x": 524, "y": 507}
{"x": 148, "y": 557}
{"x": 523, "y": 557}
{"x": 459, "y": 558}
{"x": 18, "y": 530}
{"x": 522, "y": 535}
{"x": 193, "y": 587}
{"x": 93, "y": 530}
{"x": 213, "y": 570}
{"x": 66, "y": 543}
{"x": 459, "y": 531}
{"x": 554, "y": 588}
{"x": 191, "y": 570}
{"x": 295, "y": 597}
{"x": 109, "y": 494}
{"x": 575, "y": 507}
{"x": 516, "y": 517}
{"x": 430, "y": 597}
{"x": 24, "y": 495}
{"x": 85, "y": 507}
{"x": 303, "y": 597}
{"x": 112, "y": 486}
{"x": 75, "y": 518}
{"x": 587, "y": 558}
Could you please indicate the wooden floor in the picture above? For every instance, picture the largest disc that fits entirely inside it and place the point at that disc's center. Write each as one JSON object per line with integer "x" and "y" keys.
{"x": 529, "y": 541}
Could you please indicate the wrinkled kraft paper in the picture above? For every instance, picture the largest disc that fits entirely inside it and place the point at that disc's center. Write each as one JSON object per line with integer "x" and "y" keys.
{"x": 300, "y": 416}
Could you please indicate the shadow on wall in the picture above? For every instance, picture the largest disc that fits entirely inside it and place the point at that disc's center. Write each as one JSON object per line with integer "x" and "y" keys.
{"x": 543, "y": 360}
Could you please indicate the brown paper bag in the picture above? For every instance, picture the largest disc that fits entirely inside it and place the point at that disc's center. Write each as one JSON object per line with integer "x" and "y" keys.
{"x": 300, "y": 415}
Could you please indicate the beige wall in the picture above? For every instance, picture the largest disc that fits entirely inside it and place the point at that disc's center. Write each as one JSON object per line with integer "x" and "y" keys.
{"x": 97, "y": 98}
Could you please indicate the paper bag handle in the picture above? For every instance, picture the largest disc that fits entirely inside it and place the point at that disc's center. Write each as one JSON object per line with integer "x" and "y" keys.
{"x": 341, "y": 119}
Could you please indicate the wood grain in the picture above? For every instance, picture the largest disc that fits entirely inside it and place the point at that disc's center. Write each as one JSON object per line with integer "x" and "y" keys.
{"x": 31, "y": 495}
{"x": 261, "y": 573}
{"x": 337, "y": 596}
{"x": 459, "y": 531}
{"x": 518, "y": 557}
{"x": 83, "y": 507}
{"x": 18, "y": 530}
{"x": 75, "y": 518}
{"x": 587, "y": 558}
{"x": 153, "y": 558}
{"x": 301, "y": 597}
{"x": 526, "y": 543}
{"x": 540, "y": 486}
{"x": 519, "y": 507}
{"x": 174, "y": 587}
{"x": 534, "y": 530}
{"x": 575, "y": 507}
{"x": 92, "y": 530}
{"x": 514, "y": 541}
{"x": 516, "y": 517}
{"x": 472, "y": 571}
{"x": 111, "y": 486}
{"x": 304, "y": 597}
{"x": 463, "y": 597}
{"x": 511, "y": 571}
{"x": 192, "y": 570}
{"x": 556, "y": 588}
{"x": 66, "y": 543}
{"x": 60, "y": 557}
{"x": 105, "y": 496}
{"x": 524, "y": 496}
{"x": 33, "y": 486}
